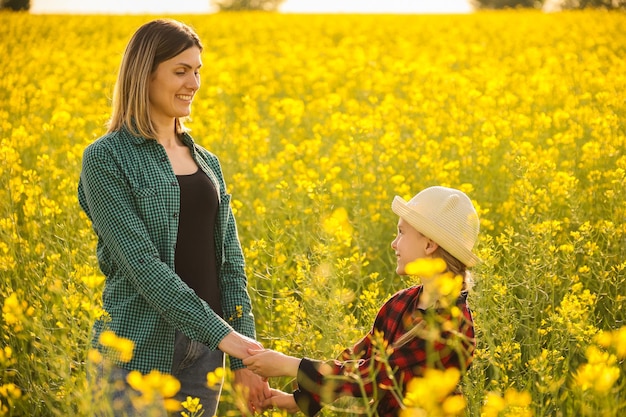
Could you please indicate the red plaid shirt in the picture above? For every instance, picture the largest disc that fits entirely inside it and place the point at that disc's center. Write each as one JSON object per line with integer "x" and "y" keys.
{"x": 361, "y": 372}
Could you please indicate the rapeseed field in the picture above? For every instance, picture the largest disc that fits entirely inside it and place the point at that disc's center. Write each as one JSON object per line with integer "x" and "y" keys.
{"x": 319, "y": 121}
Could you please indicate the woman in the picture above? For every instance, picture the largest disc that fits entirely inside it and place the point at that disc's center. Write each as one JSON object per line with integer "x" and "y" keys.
{"x": 438, "y": 223}
{"x": 167, "y": 239}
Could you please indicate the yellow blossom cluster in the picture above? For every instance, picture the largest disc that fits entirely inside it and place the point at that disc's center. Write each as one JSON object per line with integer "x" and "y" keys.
{"x": 615, "y": 340}
{"x": 432, "y": 395}
{"x": 119, "y": 348}
{"x": 599, "y": 373}
{"x": 154, "y": 388}
{"x": 193, "y": 406}
{"x": 15, "y": 312}
{"x": 512, "y": 404}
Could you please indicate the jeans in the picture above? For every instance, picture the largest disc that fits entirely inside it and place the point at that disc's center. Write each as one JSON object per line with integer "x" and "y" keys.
{"x": 191, "y": 363}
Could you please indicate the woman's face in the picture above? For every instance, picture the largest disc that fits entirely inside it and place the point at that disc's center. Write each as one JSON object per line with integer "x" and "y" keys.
{"x": 173, "y": 85}
{"x": 410, "y": 245}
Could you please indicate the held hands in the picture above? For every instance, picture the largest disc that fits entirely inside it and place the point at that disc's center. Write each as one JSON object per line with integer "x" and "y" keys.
{"x": 264, "y": 363}
{"x": 268, "y": 363}
{"x": 254, "y": 389}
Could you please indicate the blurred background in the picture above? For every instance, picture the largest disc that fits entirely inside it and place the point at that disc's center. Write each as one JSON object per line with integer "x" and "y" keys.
{"x": 297, "y": 6}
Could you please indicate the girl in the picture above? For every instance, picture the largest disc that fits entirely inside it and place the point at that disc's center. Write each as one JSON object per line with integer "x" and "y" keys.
{"x": 439, "y": 223}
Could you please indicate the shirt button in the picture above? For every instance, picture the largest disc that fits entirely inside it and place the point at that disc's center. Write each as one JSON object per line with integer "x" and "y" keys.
{"x": 163, "y": 159}
{"x": 175, "y": 215}
{"x": 174, "y": 183}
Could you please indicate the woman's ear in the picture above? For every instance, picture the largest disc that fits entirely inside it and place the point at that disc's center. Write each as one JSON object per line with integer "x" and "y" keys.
{"x": 431, "y": 247}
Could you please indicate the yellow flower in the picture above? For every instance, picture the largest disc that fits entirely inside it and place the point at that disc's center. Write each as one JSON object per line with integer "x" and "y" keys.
{"x": 94, "y": 356}
{"x": 121, "y": 348}
{"x": 5, "y": 356}
{"x": 454, "y": 405}
{"x": 432, "y": 393}
{"x": 514, "y": 403}
{"x": 10, "y": 391}
{"x": 338, "y": 226}
{"x": 426, "y": 267}
{"x": 93, "y": 281}
{"x": 494, "y": 403}
{"x": 449, "y": 285}
{"x": 215, "y": 378}
{"x": 516, "y": 398}
{"x": 15, "y": 312}
{"x": 619, "y": 342}
{"x": 599, "y": 374}
{"x": 397, "y": 179}
{"x": 598, "y": 377}
{"x": 154, "y": 386}
{"x": 615, "y": 339}
{"x": 192, "y": 404}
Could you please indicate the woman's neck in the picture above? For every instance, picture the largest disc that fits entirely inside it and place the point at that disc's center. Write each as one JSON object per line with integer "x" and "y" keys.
{"x": 166, "y": 135}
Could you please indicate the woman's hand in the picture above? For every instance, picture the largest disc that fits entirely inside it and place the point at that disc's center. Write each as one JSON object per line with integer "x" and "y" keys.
{"x": 254, "y": 390}
{"x": 238, "y": 345}
{"x": 281, "y": 400}
{"x": 267, "y": 363}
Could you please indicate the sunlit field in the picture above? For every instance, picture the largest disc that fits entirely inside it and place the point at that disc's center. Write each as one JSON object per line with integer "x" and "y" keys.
{"x": 319, "y": 121}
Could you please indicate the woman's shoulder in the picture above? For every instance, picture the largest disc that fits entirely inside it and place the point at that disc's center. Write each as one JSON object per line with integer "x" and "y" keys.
{"x": 119, "y": 147}
{"x": 114, "y": 140}
{"x": 102, "y": 145}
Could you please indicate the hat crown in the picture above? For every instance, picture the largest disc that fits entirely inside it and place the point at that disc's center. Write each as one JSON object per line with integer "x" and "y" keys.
{"x": 445, "y": 215}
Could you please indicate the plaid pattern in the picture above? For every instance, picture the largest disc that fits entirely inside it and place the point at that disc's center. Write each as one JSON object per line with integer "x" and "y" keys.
{"x": 130, "y": 193}
{"x": 361, "y": 364}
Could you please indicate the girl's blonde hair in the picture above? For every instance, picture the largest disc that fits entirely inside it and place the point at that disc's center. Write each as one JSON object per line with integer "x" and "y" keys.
{"x": 455, "y": 266}
{"x": 153, "y": 43}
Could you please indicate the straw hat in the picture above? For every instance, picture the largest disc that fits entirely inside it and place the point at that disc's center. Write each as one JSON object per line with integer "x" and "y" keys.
{"x": 444, "y": 215}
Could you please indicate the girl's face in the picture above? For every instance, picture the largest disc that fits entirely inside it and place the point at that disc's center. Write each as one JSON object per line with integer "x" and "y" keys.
{"x": 410, "y": 245}
{"x": 173, "y": 85}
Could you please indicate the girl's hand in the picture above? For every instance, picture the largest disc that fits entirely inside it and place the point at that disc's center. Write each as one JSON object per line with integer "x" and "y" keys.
{"x": 267, "y": 363}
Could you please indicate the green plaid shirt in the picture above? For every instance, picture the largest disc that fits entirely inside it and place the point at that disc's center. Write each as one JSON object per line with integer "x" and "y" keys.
{"x": 130, "y": 193}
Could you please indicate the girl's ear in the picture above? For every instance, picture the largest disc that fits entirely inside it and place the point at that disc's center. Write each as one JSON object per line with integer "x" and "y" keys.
{"x": 431, "y": 247}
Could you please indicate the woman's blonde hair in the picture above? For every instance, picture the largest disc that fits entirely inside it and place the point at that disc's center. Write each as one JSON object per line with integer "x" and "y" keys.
{"x": 153, "y": 43}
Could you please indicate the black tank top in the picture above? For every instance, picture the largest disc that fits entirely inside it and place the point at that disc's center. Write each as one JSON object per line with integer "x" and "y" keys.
{"x": 195, "y": 259}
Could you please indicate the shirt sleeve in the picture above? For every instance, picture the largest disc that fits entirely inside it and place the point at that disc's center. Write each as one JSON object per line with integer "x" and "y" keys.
{"x": 368, "y": 377}
{"x": 107, "y": 198}
{"x": 371, "y": 376}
